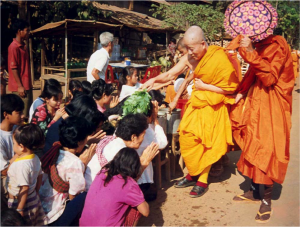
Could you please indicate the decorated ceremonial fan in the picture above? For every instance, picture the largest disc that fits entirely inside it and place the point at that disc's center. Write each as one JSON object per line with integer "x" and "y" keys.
{"x": 256, "y": 19}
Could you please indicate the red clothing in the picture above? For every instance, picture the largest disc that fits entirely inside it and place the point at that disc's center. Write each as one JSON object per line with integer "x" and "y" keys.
{"x": 262, "y": 121}
{"x": 18, "y": 59}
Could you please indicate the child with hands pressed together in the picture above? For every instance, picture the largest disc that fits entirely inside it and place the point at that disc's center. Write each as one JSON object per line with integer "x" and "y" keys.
{"x": 24, "y": 176}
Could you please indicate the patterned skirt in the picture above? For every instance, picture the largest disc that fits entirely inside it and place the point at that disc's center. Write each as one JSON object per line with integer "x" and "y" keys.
{"x": 34, "y": 214}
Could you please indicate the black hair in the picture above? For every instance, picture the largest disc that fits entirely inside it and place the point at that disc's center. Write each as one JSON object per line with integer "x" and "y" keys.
{"x": 126, "y": 163}
{"x": 3, "y": 62}
{"x": 108, "y": 128}
{"x": 99, "y": 87}
{"x": 11, "y": 103}
{"x": 127, "y": 71}
{"x": 173, "y": 40}
{"x": 131, "y": 124}
{"x": 73, "y": 130}
{"x": 86, "y": 87}
{"x": 75, "y": 85}
{"x": 156, "y": 96}
{"x": 19, "y": 24}
{"x": 51, "y": 91}
{"x": 30, "y": 136}
{"x": 53, "y": 82}
{"x": 11, "y": 217}
{"x": 94, "y": 117}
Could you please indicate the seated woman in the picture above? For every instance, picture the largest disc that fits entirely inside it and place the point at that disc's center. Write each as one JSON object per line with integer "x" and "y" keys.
{"x": 120, "y": 194}
{"x": 130, "y": 133}
{"x": 63, "y": 185}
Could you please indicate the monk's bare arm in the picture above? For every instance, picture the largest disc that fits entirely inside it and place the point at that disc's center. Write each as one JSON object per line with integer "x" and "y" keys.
{"x": 167, "y": 76}
{"x": 200, "y": 85}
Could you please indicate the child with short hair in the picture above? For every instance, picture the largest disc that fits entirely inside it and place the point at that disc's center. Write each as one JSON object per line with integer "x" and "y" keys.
{"x": 2, "y": 72}
{"x": 48, "y": 113}
{"x": 12, "y": 108}
{"x": 121, "y": 202}
{"x": 45, "y": 93}
{"x": 129, "y": 82}
{"x": 101, "y": 92}
{"x": 24, "y": 176}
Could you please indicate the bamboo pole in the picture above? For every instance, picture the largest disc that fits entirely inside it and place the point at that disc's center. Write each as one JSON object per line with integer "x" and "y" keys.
{"x": 66, "y": 63}
{"x": 31, "y": 62}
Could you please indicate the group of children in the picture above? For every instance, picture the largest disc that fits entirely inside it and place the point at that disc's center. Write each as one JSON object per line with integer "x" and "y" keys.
{"x": 70, "y": 158}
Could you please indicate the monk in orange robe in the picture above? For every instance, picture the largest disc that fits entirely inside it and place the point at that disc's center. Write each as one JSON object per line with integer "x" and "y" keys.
{"x": 295, "y": 57}
{"x": 205, "y": 129}
{"x": 262, "y": 118}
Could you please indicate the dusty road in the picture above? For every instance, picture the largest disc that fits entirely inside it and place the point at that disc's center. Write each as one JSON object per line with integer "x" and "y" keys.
{"x": 174, "y": 207}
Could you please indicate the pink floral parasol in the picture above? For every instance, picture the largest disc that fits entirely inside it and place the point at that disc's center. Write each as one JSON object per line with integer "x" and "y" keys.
{"x": 256, "y": 19}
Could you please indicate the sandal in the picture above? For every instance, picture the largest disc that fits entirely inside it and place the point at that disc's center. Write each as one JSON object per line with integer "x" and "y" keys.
{"x": 216, "y": 170}
{"x": 242, "y": 198}
{"x": 263, "y": 217}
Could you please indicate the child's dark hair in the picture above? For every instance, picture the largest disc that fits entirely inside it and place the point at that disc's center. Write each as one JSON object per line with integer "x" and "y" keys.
{"x": 131, "y": 124}
{"x": 19, "y": 24}
{"x": 173, "y": 40}
{"x": 126, "y": 163}
{"x": 127, "y": 71}
{"x": 75, "y": 85}
{"x": 30, "y": 136}
{"x": 11, "y": 217}
{"x": 108, "y": 128}
{"x": 156, "y": 96}
{"x": 99, "y": 87}
{"x": 10, "y": 103}
{"x": 73, "y": 130}
{"x": 87, "y": 87}
{"x": 51, "y": 91}
{"x": 3, "y": 62}
{"x": 53, "y": 82}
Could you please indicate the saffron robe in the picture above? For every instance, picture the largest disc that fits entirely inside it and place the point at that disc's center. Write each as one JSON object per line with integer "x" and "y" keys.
{"x": 262, "y": 121}
{"x": 295, "y": 63}
{"x": 205, "y": 129}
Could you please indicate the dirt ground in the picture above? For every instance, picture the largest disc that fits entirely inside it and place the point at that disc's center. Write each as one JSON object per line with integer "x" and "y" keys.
{"x": 174, "y": 207}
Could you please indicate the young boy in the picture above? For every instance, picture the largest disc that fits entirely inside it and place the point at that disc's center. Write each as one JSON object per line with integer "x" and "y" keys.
{"x": 19, "y": 81}
{"x": 3, "y": 82}
{"x": 12, "y": 108}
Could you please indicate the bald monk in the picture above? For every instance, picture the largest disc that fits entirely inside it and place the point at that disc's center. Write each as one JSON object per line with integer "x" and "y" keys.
{"x": 295, "y": 57}
{"x": 262, "y": 118}
{"x": 205, "y": 129}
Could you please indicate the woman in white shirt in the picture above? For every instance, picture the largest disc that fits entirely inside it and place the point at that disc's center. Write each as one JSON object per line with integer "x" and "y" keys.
{"x": 129, "y": 82}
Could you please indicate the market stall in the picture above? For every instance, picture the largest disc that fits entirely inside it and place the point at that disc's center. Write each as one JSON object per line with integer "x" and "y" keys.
{"x": 69, "y": 28}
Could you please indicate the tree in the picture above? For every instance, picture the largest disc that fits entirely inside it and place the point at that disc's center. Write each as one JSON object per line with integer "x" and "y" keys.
{"x": 182, "y": 15}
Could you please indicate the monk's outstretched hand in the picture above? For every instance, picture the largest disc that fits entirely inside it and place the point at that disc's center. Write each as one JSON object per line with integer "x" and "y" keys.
{"x": 148, "y": 85}
{"x": 246, "y": 43}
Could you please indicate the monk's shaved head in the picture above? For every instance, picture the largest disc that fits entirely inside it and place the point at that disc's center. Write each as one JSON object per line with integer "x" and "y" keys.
{"x": 194, "y": 34}
{"x": 195, "y": 43}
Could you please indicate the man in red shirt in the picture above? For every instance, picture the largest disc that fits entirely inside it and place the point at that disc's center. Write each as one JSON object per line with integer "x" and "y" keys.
{"x": 19, "y": 80}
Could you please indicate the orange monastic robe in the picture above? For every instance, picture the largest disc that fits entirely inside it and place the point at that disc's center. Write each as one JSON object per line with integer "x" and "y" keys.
{"x": 262, "y": 122}
{"x": 295, "y": 58}
{"x": 205, "y": 129}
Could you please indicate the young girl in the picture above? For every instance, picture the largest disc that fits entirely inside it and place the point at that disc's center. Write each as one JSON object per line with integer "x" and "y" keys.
{"x": 120, "y": 194}
{"x": 45, "y": 93}
{"x": 129, "y": 82}
{"x": 48, "y": 113}
{"x": 101, "y": 92}
{"x": 25, "y": 175}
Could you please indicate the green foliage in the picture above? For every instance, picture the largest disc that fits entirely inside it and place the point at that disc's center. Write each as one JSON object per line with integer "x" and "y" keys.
{"x": 183, "y": 15}
{"x": 138, "y": 102}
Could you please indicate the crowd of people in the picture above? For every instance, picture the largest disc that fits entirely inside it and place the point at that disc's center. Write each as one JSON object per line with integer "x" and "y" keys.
{"x": 88, "y": 162}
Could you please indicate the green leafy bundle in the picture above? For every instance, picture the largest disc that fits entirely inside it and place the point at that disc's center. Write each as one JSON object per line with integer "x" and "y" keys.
{"x": 138, "y": 102}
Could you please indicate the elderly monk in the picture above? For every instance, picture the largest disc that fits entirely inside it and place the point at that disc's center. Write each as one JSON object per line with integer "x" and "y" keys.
{"x": 205, "y": 129}
{"x": 262, "y": 118}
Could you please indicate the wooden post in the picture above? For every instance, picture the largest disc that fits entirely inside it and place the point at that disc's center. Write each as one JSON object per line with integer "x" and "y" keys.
{"x": 66, "y": 63}
{"x": 31, "y": 62}
{"x": 131, "y": 4}
{"x": 96, "y": 40}
{"x": 42, "y": 63}
{"x": 167, "y": 42}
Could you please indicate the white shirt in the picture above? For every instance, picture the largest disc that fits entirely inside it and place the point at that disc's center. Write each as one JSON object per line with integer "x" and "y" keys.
{"x": 109, "y": 152}
{"x": 6, "y": 148}
{"x": 70, "y": 168}
{"x": 157, "y": 135}
{"x": 23, "y": 171}
{"x": 128, "y": 90}
{"x": 98, "y": 60}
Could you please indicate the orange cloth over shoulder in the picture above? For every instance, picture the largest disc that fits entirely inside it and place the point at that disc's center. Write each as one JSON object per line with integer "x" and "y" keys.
{"x": 205, "y": 129}
{"x": 262, "y": 121}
